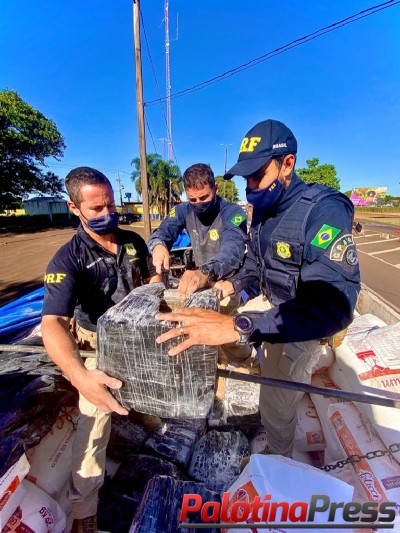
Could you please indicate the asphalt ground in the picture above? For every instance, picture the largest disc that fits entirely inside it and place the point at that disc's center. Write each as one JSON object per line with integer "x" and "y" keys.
{"x": 24, "y": 257}
{"x": 378, "y": 248}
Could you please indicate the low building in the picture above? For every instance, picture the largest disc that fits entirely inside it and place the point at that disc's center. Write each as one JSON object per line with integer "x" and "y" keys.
{"x": 46, "y": 205}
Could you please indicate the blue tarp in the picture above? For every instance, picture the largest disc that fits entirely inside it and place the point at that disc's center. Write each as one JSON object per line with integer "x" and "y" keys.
{"x": 22, "y": 314}
{"x": 183, "y": 241}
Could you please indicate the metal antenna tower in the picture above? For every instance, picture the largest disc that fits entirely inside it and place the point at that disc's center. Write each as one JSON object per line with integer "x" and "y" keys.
{"x": 164, "y": 141}
{"x": 168, "y": 81}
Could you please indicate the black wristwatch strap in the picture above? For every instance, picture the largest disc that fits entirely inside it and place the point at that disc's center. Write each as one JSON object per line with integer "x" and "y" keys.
{"x": 207, "y": 271}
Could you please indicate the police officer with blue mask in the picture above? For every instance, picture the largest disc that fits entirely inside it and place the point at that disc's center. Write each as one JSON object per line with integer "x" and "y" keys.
{"x": 217, "y": 231}
{"x": 302, "y": 257}
{"x": 96, "y": 269}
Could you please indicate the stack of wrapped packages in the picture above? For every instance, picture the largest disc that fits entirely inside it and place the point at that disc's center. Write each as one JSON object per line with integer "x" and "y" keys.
{"x": 202, "y": 441}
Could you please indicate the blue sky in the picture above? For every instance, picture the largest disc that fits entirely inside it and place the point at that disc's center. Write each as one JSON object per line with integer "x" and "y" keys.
{"x": 340, "y": 93}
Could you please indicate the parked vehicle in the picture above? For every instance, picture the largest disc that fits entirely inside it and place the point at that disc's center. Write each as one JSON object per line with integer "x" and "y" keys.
{"x": 128, "y": 218}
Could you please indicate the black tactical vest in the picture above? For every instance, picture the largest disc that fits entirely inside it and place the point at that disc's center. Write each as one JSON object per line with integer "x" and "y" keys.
{"x": 206, "y": 240}
{"x": 283, "y": 257}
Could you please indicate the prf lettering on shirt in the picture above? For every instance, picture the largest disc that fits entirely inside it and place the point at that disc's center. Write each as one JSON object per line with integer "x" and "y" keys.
{"x": 54, "y": 278}
{"x": 249, "y": 143}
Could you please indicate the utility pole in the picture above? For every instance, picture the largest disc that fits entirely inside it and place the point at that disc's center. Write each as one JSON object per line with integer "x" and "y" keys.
{"x": 225, "y": 164}
{"x": 140, "y": 116}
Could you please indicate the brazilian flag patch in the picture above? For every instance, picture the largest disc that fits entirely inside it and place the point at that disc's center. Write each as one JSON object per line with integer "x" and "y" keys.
{"x": 325, "y": 236}
{"x": 238, "y": 219}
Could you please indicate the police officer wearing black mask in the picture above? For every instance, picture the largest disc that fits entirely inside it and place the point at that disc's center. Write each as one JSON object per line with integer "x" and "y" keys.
{"x": 217, "y": 231}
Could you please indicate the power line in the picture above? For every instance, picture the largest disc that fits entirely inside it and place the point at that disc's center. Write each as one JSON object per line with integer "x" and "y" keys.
{"x": 61, "y": 165}
{"x": 160, "y": 99}
{"x": 151, "y": 135}
{"x": 277, "y": 51}
{"x": 152, "y": 65}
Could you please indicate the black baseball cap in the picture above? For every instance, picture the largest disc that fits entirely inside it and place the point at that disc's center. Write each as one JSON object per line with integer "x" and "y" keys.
{"x": 267, "y": 139}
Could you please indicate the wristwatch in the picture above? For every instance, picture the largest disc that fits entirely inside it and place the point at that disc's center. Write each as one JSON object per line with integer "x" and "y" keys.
{"x": 243, "y": 324}
{"x": 207, "y": 271}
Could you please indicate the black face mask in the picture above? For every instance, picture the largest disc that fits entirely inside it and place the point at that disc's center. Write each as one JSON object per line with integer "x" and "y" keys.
{"x": 205, "y": 210}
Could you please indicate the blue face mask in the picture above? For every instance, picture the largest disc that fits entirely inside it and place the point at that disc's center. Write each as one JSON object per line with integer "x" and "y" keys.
{"x": 264, "y": 200}
{"x": 204, "y": 209}
{"x": 102, "y": 225}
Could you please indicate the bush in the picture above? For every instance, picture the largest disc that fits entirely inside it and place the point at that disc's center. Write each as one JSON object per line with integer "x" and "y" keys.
{"x": 35, "y": 222}
{"x": 377, "y": 209}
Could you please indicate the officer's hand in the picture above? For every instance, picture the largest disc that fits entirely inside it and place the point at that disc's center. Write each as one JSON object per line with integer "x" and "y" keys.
{"x": 225, "y": 287}
{"x": 198, "y": 326}
{"x": 191, "y": 281}
{"x": 92, "y": 384}
{"x": 161, "y": 258}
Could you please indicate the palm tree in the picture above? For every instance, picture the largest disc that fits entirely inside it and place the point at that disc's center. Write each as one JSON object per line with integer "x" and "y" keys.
{"x": 227, "y": 189}
{"x": 164, "y": 180}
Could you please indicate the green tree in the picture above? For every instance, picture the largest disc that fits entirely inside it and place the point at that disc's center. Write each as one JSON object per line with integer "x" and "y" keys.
{"x": 348, "y": 193}
{"x": 227, "y": 189}
{"x": 315, "y": 173}
{"x": 27, "y": 138}
{"x": 164, "y": 179}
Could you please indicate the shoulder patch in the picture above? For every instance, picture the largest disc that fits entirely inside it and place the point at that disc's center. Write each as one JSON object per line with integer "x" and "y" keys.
{"x": 213, "y": 234}
{"x": 351, "y": 257}
{"x": 325, "y": 236}
{"x": 340, "y": 246}
{"x": 130, "y": 249}
{"x": 172, "y": 212}
{"x": 238, "y": 219}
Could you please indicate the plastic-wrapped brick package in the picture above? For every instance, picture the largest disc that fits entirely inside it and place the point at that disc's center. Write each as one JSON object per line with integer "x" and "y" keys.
{"x": 160, "y": 508}
{"x": 176, "y": 439}
{"x": 154, "y": 382}
{"x": 217, "y": 457}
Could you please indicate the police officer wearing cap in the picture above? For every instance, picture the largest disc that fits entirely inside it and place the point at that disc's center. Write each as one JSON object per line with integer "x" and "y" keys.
{"x": 303, "y": 258}
{"x": 217, "y": 232}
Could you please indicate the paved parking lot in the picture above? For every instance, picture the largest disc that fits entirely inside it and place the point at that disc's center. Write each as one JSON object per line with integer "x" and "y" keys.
{"x": 382, "y": 246}
{"x": 379, "y": 254}
{"x": 23, "y": 259}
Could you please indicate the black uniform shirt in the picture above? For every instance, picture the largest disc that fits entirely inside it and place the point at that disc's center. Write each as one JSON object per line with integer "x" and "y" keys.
{"x": 84, "y": 280}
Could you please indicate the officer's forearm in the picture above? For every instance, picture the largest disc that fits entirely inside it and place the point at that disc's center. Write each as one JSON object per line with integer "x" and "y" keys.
{"x": 248, "y": 276}
{"x": 325, "y": 311}
{"x": 61, "y": 346}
